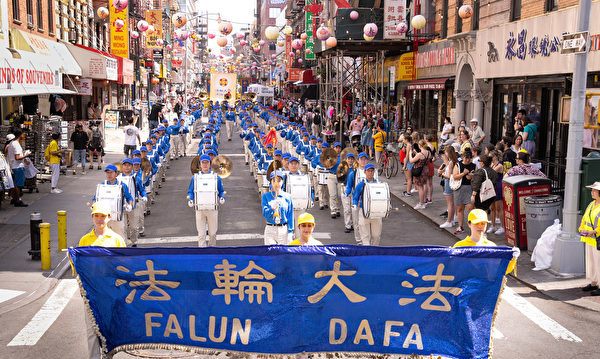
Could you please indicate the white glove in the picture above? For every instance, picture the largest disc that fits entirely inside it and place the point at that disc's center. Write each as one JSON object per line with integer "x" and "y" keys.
{"x": 222, "y": 200}
{"x": 128, "y": 207}
{"x": 159, "y": 165}
{"x": 354, "y": 207}
{"x": 311, "y": 205}
{"x": 190, "y": 203}
{"x": 144, "y": 199}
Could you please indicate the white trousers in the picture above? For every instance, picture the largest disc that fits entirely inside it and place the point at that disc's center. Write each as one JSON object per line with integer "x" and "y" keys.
{"x": 184, "y": 142}
{"x": 297, "y": 213}
{"x": 55, "y": 168}
{"x": 140, "y": 209}
{"x": 370, "y": 230}
{"x": 276, "y": 235}
{"x": 118, "y": 227}
{"x": 355, "y": 216}
{"x": 316, "y": 130}
{"x": 130, "y": 223}
{"x": 347, "y": 205}
{"x": 204, "y": 218}
{"x": 592, "y": 264}
{"x": 229, "y": 128}
{"x": 332, "y": 188}
{"x": 175, "y": 144}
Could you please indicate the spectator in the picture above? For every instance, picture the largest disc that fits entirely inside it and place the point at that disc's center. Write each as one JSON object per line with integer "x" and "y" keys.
{"x": 367, "y": 139}
{"x": 131, "y": 133}
{"x": 55, "y": 155}
{"x": 378, "y": 140}
{"x": 518, "y": 124}
{"x": 465, "y": 141}
{"x": 92, "y": 114}
{"x": 524, "y": 167}
{"x": 590, "y": 231}
{"x": 356, "y": 127}
{"x": 15, "y": 157}
{"x": 509, "y": 157}
{"x": 450, "y": 159}
{"x": 430, "y": 167}
{"x": 462, "y": 196}
{"x": 476, "y": 153}
{"x": 529, "y": 133}
{"x": 80, "y": 141}
{"x": 155, "y": 116}
{"x": 446, "y": 130}
{"x": 408, "y": 165}
{"x": 418, "y": 157}
{"x": 479, "y": 177}
{"x": 477, "y": 134}
{"x": 496, "y": 209}
{"x": 95, "y": 145}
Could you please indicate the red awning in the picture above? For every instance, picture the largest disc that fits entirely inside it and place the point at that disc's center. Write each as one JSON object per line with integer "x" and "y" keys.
{"x": 306, "y": 78}
{"x": 97, "y": 51}
{"x": 428, "y": 84}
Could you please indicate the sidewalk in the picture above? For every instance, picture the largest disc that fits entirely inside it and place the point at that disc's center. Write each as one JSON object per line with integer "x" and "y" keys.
{"x": 565, "y": 289}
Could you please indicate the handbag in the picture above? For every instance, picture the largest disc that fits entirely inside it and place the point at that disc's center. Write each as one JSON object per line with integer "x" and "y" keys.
{"x": 416, "y": 171}
{"x": 455, "y": 183}
{"x": 487, "y": 190}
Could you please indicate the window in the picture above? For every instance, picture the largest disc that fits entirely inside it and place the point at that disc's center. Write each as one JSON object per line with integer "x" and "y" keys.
{"x": 459, "y": 3}
{"x": 15, "y": 6}
{"x": 274, "y": 12}
{"x": 475, "y": 17}
{"x": 50, "y": 17}
{"x": 515, "y": 10}
{"x": 551, "y": 5}
{"x": 444, "y": 32}
{"x": 29, "y": 5}
{"x": 40, "y": 16}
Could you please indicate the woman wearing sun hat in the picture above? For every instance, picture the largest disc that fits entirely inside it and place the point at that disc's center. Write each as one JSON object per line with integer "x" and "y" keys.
{"x": 590, "y": 231}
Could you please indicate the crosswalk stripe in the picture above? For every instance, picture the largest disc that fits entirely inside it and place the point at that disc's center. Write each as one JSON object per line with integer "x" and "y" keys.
{"x": 220, "y": 237}
{"x": 7, "y": 294}
{"x": 44, "y": 318}
{"x": 538, "y": 317}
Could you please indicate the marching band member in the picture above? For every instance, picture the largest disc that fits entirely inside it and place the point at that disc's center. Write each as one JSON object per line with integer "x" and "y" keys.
{"x": 117, "y": 224}
{"x": 294, "y": 170}
{"x": 278, "y": 211}
{"x": 332, "y": 184}
{"x": 370, "y": 229}
{"x": 183, "y": 134}
{"x": 321, "y": 189}
{"x": 173, "y": 132}
{"x": 206, "y": 217}
{"x": 142, "y": 196}
{"x": 285, "y": 160}
{"x": 230, "y": 121}
{"x": 346, "y": 199}
{"x": 355, "y": 176}
{"x": 306, "y": 226}
{"x": 134, "y": 184}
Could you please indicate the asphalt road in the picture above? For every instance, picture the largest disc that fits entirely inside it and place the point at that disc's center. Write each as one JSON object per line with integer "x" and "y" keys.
{"x": 529, "y": 325}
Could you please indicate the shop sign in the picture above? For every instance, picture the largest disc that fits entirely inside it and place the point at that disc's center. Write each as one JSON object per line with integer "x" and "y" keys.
{"x": 119, "y": 37}
{"x": 157, "y": 54}
{"x": 394, "y": 12}
{"x": 288, "y": 49}
{"x": 156, "y": 68}
{"x": 154, "y": 18}
{"x": 392, "y": 70}
{"x": 518, "y": 46}
{"x": 83, "y": 86}
{"x": 310, "y": 40}
{"x": 126, "y": 71}
{"x": 103, "y": 66}
{"x": 433, "y": 58}
{"x": 294, "y": 74}
{"x": 404, "y": 69}
{"x": 111, "y": 119}
{"x": 27, "y": 76}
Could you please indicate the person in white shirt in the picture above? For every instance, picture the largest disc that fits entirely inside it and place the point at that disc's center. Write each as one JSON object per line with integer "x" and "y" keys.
{"x": 15, "y": 158}
{"x": 446, "y": 130}
{"x": 478, "y": 135}
{"x": 131, "y": 133}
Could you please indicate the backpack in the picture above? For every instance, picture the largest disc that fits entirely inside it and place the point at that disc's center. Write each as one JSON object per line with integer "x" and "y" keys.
{"x": 316, "y": 119}
{"x": 96, "y": 138}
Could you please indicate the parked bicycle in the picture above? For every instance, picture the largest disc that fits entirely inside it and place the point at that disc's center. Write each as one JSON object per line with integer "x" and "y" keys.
{"x": 388, "y": 161}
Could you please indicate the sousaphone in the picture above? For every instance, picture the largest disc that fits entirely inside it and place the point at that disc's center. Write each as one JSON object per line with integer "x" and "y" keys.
{"x": 328, "y": 158}
{"x": 222, "y": 166}
{"x": 347, "y": 150}
{"x": 274, "y": 166}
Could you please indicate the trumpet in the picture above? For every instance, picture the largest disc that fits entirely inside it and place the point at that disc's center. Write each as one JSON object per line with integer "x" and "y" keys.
{"x": 203, "y": 96}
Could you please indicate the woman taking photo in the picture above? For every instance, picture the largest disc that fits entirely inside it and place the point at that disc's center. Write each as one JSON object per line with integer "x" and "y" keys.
{"x": 477, "y": 182}
{"x": 419, "y": 158}
{"x": 496, "y": 210}
{"x": 450, "y": 159}
{"x": 462, "y": 196}
{"x": 408, "y": 166}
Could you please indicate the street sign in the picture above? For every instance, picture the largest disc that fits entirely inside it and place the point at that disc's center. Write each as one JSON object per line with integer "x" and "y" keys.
{"x": 575, "y": 43}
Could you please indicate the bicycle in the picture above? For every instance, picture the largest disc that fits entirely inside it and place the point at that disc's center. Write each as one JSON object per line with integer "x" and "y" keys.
{"x": 388, "y": 163}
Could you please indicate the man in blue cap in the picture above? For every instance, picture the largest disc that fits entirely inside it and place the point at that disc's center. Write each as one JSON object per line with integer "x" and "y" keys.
{"x": 370, "y": 228}
{"x": 142, "y": 198}
{"x": 346, "y": 199}
{"x": 183, "y": 135}
{"x": 137, "y": 192}
{"x": 173, "y": 132}
{"x": 294, "y": 170}
{"x": 230, "y": 122}
{"x": 320, "y": 186}
{"x": 278, "y": 211}
{"x": 125, "y": 205}
{"x": 355, "y": 176}
{"x": 332, "y": 184}
{"x": 207, "y": 214}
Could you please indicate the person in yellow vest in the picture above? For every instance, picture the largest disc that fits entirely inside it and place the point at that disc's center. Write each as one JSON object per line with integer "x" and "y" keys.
{"x": 55, "y": 153}
{"x": 590, "y": 231}
{"x": 306, "y": 225}
{"x": 478, "y": 221}
{"x": 100, "y": 236}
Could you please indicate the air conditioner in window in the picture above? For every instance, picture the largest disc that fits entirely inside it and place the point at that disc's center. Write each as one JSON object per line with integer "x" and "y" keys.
{"x": 72, "y": 36}
{"x": 29, "y": 19}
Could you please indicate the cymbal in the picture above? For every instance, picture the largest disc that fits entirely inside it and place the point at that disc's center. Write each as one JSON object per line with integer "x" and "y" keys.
{"x": 274, "y": 166}
{"x": 347, "y": 150}
{"x": 222, "y": 166}
{"x": 342, "y": 172}
{"x": 328, "y": 158}
{"x": 118, "y": 164}
{"x": 195, "y": 165}
{"x": 146, "y": 166}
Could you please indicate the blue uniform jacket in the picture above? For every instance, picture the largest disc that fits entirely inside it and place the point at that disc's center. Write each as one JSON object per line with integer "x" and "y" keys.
{"x": 220, "y": 190}
{"x": 357, "y": 196}
{"x": 286, "y": 209}
{"x": 126, "y": 195}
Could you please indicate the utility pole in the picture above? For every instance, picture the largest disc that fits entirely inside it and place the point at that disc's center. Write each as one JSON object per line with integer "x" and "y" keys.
{"x": 568, "y": 255}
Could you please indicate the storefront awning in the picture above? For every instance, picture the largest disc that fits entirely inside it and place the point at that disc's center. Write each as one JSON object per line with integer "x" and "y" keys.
{"x": 56, "y": 53}
{"x": 95, "y": 64}
{"x": 125, "y": 67}
{"x": 306, "y": 78}
{"x": 25, "y": 73}
{"x": 428, "y": 84}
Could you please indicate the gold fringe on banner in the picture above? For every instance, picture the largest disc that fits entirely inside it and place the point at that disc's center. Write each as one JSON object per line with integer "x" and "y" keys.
{"x": 491, "y": 352}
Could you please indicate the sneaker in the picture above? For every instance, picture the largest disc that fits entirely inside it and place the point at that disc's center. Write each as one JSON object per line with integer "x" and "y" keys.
{"x": 429, "y": 201}
{"x": 83, "y": 172}
{"x": 347, "y": 230}
{"x": 99, "y": 167}
{"x": 56, "y": 190}
{"x": 459, "y": 230}
{"x": 337, "y": 214}
{"x": 406, "y": 194}
{"x": 321, "y": 208}
{"x": 91, "y": 167}
{"x": 491, "y": 229}
{"x": 333, "y": 215}
{"x": 419, "y": 206}
{"x": 446, "y": 225}
{"x": 74, "y": 173}
{"x": 414, "y": 191}
{"x": 499, "y": 231}
{"x": 445, "y": 214}
{"x": 497, "y": 220}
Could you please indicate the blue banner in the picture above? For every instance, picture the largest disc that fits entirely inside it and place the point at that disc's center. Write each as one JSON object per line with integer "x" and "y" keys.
{"x": 291, "y": 299}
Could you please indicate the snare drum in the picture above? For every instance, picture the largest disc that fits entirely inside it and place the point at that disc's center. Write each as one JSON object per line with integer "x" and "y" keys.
{"x": 264, "y": 182}
{"x": 376, "y": 200}
{"x": 322, "y": 176}
{"x": 298, "y": 186}
{"x": 112, "y": 196}
{"x": 205, "y": 191}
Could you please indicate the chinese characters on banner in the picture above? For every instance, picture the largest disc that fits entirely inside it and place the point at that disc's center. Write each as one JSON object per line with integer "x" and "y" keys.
{"x": 154, "y": 18}
{"x": 280, "y": 300}
{"x": 394, "y": 12}
{"x": 310, "y": 40}
{"x": 222, "y": 84}
{"x": 119, "y": 37}
{"x": 288, "y": 49}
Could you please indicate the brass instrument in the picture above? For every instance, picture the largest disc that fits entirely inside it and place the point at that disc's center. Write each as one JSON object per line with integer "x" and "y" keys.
{"x": 274, "y": 166}
{"x": 146, "y": 167}
{"x": 222, "y": 166}
{"x": 250, "y": 96}
{"x": 328, "y": 158}
{"x": 203, "y": 96}
{"x": 343, "y": 171}
{"x": 347, "y": 150}
{"x": 195, "y": 164}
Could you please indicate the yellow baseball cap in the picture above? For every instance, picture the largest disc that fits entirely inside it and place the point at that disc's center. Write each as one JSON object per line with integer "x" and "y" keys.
{"x": 100, "y": 207}
{"x": 478, "y": 216}
{"x": 306, "y": 218}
